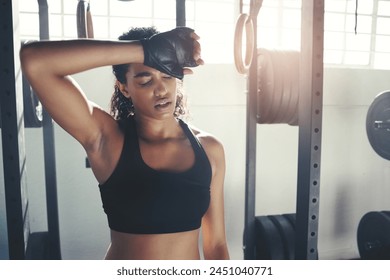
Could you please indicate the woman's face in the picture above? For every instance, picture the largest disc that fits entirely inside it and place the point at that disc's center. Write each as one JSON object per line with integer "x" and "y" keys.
{"x": 152, "y": 92}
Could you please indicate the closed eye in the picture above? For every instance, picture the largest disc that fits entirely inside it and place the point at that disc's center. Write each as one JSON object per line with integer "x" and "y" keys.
{"x": 167, "y": 77}
{"x": 146, "y": 83}
{"x": 145, "y": 78}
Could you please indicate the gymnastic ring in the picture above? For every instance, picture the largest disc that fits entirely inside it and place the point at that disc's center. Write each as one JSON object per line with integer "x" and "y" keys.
{"x": 243, "y": 20}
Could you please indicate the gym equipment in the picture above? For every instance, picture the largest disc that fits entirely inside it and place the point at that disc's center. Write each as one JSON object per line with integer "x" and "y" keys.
{"x": 180, "y": 13}
{"x": 22, "y": 243}
{"x": 32, "y": 107}
{"x": 12, "y": 130}
{"x": 243, "y": 21}
{"x": 84, "y": 20}
{"x": 291, "y": 93}
{"x": 275, "y": 237}
{"x": 378, "y": 124}
{"x": 373, "y": 236}
{"x": 53, "y": 233}
{"x": 278, "y": 94}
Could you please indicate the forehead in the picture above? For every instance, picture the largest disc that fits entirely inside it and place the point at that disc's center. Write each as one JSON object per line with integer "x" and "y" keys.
{"x": 137, "y": 68}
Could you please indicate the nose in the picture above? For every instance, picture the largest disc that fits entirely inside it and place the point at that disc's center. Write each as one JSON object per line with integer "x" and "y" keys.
{"x": 160, "y": 89}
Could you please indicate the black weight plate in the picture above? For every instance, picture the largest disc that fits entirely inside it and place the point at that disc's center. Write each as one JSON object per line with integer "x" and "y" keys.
{"x": 287, "y": 233}
{"x": 373, "y": 236}
{"x": 269, "y": 243}
{"x": 387, "y": 213}
{"x": 379, "y": 138}
{"x": 291, "y": 218}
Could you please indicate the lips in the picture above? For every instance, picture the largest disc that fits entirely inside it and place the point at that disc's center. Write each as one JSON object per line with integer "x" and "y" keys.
{"x": 162, "y": 103}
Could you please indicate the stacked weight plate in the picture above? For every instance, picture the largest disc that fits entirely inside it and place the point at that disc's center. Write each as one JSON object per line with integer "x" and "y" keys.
{"x": 275, "y": 237}
{"x": 278, "y": 89}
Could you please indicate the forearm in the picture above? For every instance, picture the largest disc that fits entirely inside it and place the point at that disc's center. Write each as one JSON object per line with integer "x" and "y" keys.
{"x": 62, "y": 58}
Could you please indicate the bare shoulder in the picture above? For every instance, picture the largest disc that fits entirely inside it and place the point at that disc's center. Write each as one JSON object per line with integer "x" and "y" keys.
{"x": 212, "y": 146}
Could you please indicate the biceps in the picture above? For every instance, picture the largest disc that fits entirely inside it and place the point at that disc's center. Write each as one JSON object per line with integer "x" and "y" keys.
{"x": 68, "y": 106}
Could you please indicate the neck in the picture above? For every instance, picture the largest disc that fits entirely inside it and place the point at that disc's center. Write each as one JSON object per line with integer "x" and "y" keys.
{"x": 154, "y": 129}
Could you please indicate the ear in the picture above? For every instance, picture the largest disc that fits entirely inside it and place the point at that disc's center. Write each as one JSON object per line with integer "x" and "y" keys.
{"x": 123, "y": 89}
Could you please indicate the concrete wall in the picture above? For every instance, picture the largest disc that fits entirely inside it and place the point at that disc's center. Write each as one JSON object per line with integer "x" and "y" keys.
{"x": 354, "y": 180}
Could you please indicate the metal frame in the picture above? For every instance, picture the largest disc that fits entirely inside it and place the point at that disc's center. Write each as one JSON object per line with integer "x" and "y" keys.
{"x": 180, "y": 13}
{"x": 12, "y": 130}
{"x": 22, "y": 244}
{"x": 251, "y": 150}
{"x": 310, "y": 130}
{"x": 54, "y": 250}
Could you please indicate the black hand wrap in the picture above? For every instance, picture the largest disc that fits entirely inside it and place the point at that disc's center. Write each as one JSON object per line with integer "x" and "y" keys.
{"x": 170, "y": 52}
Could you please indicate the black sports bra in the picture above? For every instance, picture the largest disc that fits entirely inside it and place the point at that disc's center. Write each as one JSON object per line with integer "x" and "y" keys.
{"x": 141, "y": 200}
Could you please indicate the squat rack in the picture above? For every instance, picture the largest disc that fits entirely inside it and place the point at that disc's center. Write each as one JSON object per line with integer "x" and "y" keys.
{"x": 310, "y": 124}
{"x": 12, "y": 129}
{"x": 22, "y": 243}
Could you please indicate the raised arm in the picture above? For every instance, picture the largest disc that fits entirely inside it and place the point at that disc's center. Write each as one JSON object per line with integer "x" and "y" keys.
{"x": 48, "y": 66}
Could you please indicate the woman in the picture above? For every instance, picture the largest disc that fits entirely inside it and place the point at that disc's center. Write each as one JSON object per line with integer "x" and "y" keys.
{"x": 160, "y": 180}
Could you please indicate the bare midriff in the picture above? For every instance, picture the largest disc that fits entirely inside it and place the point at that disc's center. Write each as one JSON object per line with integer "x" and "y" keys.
{"x": 168, "y": 246}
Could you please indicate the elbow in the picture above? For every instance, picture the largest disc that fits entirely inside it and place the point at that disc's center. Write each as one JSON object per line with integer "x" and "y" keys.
{"x": 25, "y": 54}
{"x": 217, "y": 252}
{"x": 28, "y": 59}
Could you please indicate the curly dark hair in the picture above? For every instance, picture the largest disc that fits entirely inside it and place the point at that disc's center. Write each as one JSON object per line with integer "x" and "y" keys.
{"x": 121, "y": 107}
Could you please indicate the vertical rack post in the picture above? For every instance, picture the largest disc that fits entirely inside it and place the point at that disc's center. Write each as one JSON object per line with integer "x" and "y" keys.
{"x": 12, "y": 130}
{"x": 310, "y": 124}
{"x": 250, "y": 154}
{"x": 180, "y": 13}
{"x": 49, "y": 155}
{"x": 249, "y": 245}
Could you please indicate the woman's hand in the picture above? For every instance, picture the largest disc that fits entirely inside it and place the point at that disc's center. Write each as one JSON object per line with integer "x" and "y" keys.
{"x": 172, "y": 52}
{"x": 197, "y": 53}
